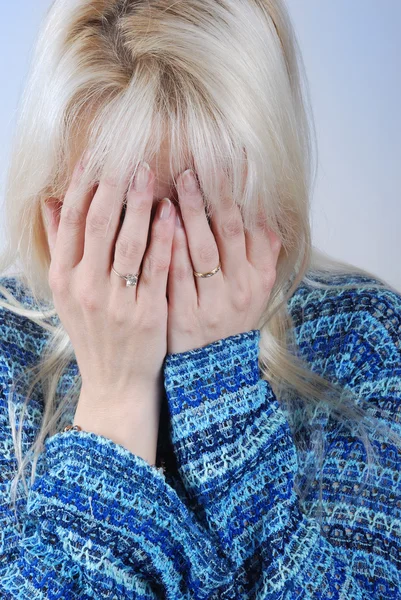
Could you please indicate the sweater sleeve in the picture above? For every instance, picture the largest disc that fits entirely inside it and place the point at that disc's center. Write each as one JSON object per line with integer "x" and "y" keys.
{"x": 98, "y": 521}
{"x": 237, "y": 460}
{"x": 102, "y": 523}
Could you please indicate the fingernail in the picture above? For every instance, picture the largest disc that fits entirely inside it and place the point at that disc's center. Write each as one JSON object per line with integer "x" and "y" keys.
{"x": 166, "y": 208}
{"x": 142, "y": 177}
{"x": 190, "y": 183}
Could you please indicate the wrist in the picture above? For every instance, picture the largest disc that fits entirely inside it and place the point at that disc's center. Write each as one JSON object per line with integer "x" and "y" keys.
{"x": 132, "y": 423}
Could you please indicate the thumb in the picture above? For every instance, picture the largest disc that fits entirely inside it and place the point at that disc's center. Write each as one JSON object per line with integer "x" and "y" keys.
{"x": 52, "y": 208}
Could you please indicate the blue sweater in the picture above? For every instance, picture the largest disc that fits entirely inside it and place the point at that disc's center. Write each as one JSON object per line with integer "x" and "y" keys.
{"x": 225, "y": 520}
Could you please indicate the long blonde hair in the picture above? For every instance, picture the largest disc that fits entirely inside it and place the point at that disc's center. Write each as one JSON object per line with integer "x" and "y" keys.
{"x": 225, "y": 80}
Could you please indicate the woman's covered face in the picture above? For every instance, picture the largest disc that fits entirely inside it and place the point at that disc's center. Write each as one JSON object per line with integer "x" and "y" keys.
{"x": 163, "y": 186}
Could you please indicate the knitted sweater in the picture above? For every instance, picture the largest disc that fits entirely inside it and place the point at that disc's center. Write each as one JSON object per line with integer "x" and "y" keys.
{"x": 225, "y": 520}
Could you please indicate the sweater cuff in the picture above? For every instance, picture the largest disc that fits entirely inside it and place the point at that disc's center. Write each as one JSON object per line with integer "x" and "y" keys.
{"x": 204, "y": 374}
{"x": 214, "y": 394}
{"x": 98, "y": 452}
{"x": 90, "y": 481}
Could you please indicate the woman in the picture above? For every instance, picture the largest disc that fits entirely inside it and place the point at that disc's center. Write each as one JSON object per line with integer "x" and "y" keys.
{"x": 214, "y": 411}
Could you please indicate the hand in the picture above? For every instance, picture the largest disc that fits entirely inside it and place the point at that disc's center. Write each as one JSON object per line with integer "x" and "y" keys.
{"x": 204, "y": 310}
{"x": 118, "y": 333}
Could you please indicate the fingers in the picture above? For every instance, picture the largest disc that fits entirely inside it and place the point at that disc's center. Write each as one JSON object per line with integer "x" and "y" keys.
{"x": 181, "y": 282}
{"x": 131, "y": 241}
{"x": 263, "y": 246}
{"x": 102, "y": 222}
{"x": 201, "y": 242}
{"x": 89, "y": 232}
{"x": 225, "y": 239}
{"x": 156, "y": 262}
{"x": 228, "y": 229}
{"x": 69, "y": 246}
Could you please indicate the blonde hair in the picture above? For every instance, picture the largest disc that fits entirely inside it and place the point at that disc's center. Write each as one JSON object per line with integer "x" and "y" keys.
{"x": 225, "y": 81}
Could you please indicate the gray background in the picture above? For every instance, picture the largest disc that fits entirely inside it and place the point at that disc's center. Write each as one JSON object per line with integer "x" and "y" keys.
{"x": 352, "y": 52}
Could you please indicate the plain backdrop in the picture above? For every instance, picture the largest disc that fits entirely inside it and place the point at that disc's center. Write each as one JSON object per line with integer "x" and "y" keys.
{"x": 352, "y": 52}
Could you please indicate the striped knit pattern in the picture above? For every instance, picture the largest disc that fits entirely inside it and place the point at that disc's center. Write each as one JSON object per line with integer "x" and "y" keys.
{"x": 225, "y": 521}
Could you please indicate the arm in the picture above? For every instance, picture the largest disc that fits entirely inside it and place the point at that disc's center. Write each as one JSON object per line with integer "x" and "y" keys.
{"x": 133, "y": 424}
{"x": 237, "y": 460}
{"x": 100, "y": 519}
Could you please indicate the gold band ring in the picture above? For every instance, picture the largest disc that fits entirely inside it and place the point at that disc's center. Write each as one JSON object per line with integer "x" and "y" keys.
{"x": 209, "y": 273}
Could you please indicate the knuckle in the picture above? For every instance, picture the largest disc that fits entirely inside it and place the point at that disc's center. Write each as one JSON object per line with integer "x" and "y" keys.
{"x": 180, "y": 243}
{"x": 88, "y": 297}
{"x": 97, "y": 223}
{"x": 262, "y": 224}
{"x": 119, "y": 316}
{"x": 160, "y": 264}
{"x": 261, "y": 219}
{"x": 73, "y": 216}
{"x": 157, "y": 264}
{"x": 129, "y": 248}
{"x": 214, "y": 320}
{"x": 207, "y": 253}
{"x": 194, "y": 210}
{"x": 138, "y": 203}
{"x": 182, "y": 273}
{"x": 231, "y": 228}
{"x": 109, "y": 181}
{"x": 160, "y": 235}
{"x": 242, "y": 299}
{"x": 57, "y": 279}
{"x": 185, "y": 326}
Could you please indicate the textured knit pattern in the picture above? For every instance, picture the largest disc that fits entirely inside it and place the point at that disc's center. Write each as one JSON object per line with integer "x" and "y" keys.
{"x": 225, "y": 521}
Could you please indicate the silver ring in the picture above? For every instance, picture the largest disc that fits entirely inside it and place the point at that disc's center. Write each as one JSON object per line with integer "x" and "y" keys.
{"x": 130, "y": 279}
